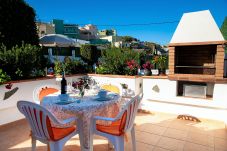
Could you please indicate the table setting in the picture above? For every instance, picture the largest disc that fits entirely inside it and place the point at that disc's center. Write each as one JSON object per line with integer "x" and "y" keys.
{"x": 83, "y": 100}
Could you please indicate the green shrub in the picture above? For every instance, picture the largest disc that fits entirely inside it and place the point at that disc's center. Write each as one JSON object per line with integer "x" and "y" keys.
{"x": 20, "y": 62}
{"x": 102, "y": 70}
{"x": 79, "y": 66}
{"x": 114, "y": 61}
{"x": 90, "y": 53}
{"x": 70, "y": 66}
{"x": 17, "y": 23}
{"x": 58, "y": 67}
{"x": 224, "y": 28}
{"x": 3, "y": 77}
{"x": 38, "y": 73}
{"x": 224, "y": 31}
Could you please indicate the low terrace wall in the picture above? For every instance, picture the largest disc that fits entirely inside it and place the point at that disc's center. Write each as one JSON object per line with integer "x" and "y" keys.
{"x": 23, "y": 90}
{"x": 160, "y": 94}
{"x": 134, "y": 83}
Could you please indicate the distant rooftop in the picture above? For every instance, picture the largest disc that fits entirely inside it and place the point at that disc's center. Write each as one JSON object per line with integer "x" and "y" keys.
{"x": 197, "y": 27}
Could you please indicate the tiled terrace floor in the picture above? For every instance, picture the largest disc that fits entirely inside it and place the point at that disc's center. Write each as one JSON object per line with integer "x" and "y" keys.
{"x": 154, "y": 132}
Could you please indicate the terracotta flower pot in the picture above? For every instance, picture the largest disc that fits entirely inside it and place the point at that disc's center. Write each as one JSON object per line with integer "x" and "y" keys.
{"x": 162, "y": 72}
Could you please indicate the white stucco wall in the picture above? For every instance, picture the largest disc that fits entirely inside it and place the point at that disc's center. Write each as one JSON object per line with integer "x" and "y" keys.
{"x": 8, "y": 108}
{"x": 133, "y": 83}
{"x": 159, "y": 95}
{"x": 220, "y": 94}
{"x": 167, "y": 89}
{"x": 166, "y": 100}
{"x": 139, "y": 85}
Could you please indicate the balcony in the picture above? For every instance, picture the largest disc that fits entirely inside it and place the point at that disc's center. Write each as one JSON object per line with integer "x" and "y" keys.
{"x": 154, "y": 132}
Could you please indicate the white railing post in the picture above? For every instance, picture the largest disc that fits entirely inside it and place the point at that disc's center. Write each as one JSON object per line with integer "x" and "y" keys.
{"x": 50, "y": 54}
{"x": 73, "y": 54}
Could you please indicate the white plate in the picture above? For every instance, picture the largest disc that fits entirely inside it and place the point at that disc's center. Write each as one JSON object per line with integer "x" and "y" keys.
{"x": 64, "y": 102}
{"x": 69, "y": 101}
{"x": 97, "y": 98}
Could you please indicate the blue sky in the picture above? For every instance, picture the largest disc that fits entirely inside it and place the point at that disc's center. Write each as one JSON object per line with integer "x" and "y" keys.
{"x": 128, "y": 12}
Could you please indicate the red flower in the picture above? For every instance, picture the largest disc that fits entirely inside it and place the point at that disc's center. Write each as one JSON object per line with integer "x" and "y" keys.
{"x": 132, "y": 64}
{"x": 147, "y": 65}
{"x": 79, "y": 84}
{"x": 9, "y": 86}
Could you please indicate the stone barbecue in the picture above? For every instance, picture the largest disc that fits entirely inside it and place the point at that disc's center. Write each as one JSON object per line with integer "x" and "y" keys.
{"x": 196, "y": 50}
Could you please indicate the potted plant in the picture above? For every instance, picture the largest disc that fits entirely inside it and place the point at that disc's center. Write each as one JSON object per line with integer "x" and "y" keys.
{"x": 147, "y": 68}
{"x": 162, "y": 64}
{"x": 155, "y": 62}
{"x": 3, "y": 77}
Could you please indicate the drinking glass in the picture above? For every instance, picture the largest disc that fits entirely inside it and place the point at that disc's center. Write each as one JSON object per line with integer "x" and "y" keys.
{"x": 69, "y": 87}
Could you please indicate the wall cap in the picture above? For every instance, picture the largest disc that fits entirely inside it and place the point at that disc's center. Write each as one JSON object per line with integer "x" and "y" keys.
{"x": 198, "y": 43}
{"x": 155, "y": 77}
{"x": 115, "y": 76}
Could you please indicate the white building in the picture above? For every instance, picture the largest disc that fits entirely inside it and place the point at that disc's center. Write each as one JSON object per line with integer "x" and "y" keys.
{"x": 114, "y": 40}
{"x": 88, "y": 32}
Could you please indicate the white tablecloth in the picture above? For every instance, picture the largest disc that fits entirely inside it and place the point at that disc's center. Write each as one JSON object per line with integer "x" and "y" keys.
{"x": 85, "y": 110}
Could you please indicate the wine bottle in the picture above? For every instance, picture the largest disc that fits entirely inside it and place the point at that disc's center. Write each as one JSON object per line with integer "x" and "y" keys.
{"x": 63, "y": 84}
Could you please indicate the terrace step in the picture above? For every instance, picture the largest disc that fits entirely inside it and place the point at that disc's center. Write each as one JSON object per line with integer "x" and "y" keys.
{"x": 208, "y": 112}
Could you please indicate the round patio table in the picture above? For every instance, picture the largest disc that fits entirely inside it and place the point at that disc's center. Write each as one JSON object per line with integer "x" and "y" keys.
{"x": 84, "y": 110}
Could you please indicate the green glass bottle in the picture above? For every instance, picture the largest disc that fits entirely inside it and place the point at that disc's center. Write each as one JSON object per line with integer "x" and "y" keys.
{"x": 63, "y": 84}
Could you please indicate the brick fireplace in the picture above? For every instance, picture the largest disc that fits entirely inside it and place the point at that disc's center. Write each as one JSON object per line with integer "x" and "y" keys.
{"x": 196, "y": 55}
{"x": 196, "y": 50}
{"x": 196, "y": 61}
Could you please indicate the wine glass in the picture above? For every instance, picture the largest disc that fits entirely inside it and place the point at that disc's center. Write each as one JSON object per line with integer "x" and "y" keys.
{"x": 69, "y": 87}
{"x": 92, "y": 85}
{"x": 81, "y": 92}
{"x": 96, "y": 87}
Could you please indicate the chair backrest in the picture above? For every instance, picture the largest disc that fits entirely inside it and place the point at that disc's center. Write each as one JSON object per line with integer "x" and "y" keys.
{"x": 130, "y": 110}
{"x": 39, "y": 119}
{"x": 44, "y": 90}
{"x": 115, "y": 87}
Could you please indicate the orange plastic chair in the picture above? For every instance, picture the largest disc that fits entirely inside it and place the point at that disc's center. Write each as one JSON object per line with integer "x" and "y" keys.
{"x": 41, "y": 91}
{"x": 40, "y": 120}
{"x": 123, "y": 123}
{"x": 116, "y": 88}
